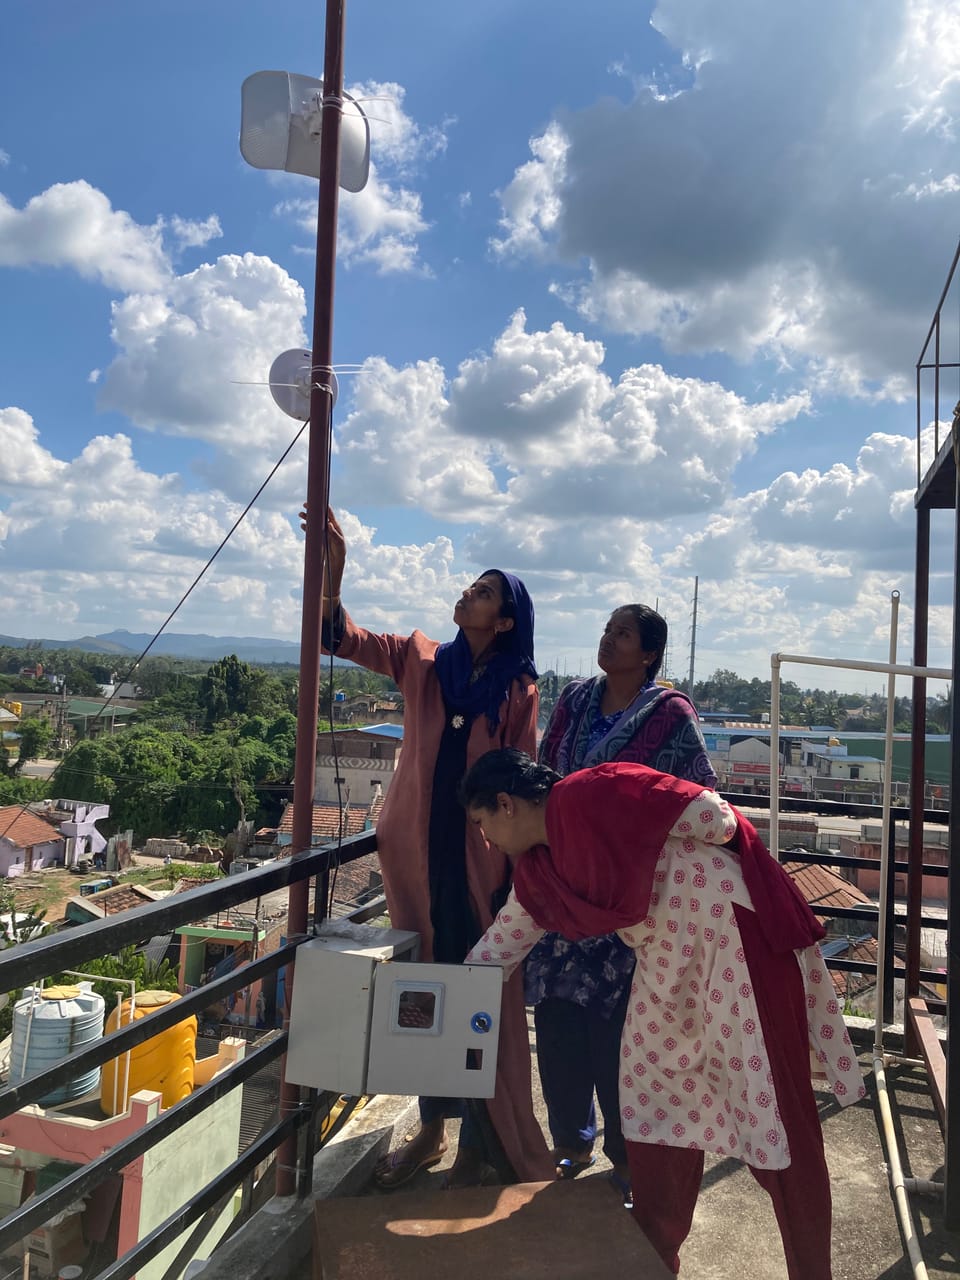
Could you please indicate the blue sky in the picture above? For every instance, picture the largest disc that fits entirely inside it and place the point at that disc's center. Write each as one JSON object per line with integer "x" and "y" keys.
{"x": 637, "y": 293}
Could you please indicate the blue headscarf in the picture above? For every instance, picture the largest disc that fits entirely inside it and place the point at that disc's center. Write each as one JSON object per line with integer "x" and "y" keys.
{"x": 513, "y": 657}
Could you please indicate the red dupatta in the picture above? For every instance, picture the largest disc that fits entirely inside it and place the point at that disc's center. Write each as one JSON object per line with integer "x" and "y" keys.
{"x": 606, "y": 828}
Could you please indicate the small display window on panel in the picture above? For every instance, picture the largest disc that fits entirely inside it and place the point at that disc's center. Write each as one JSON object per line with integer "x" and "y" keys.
{"x": 417, "y": 1008}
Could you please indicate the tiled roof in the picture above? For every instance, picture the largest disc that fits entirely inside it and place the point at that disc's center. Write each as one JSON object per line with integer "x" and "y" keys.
{"x": 118, "y": 898}
{"x": 822, "y": 887}
{"x": 186, "y": 883}
{"x": 24, "y": 829}
{"x": 326, "y": 820}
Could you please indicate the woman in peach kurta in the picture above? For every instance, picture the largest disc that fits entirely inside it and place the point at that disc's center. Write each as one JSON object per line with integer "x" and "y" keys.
{"x": 440, "y": 876}
{"x": 729, "y": 996}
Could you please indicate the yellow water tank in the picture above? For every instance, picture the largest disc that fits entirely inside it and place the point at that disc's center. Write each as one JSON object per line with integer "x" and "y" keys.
{"x": 165, "y": 1062}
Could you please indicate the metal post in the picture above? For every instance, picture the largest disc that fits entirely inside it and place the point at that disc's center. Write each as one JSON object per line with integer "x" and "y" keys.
{"x": 951, "y": 1194}
{"x": 774, "y": 837}
{"x": 693, "y": 635}
{"x": 887, "y": 932}
{"x": 885, "y": 914}
{"x": 318, "y": 489}
{"x": 918, "y": 744}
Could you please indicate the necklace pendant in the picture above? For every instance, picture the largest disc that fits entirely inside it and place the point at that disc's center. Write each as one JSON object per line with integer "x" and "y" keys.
{"x": 457, "y": 721}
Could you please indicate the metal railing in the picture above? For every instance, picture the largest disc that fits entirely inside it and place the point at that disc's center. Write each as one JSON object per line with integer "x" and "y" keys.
{"x": 931, "y": 362}
{"x": 825, "y": 809}
{"x": 29, "y": 962}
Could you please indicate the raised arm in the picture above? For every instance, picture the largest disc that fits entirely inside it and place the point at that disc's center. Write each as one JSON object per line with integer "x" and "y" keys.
{"x": 335, "y": 557}
{"x": 385, "y": 654}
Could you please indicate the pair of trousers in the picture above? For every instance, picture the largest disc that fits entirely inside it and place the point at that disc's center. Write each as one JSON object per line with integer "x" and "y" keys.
{"x": 578, "y": 1051}
{"x": 666, "y": 1180}
{"x": 452, "y": 1109}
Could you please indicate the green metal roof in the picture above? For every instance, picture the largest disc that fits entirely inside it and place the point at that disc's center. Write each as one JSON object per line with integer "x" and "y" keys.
{"x": 87, "y": 707}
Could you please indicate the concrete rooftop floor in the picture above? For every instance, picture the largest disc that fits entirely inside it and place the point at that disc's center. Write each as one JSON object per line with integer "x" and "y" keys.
{"x": 735, "y": 1232}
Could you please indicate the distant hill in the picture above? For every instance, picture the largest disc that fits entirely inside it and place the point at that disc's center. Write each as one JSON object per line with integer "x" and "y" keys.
{"x": 171, "y": 644}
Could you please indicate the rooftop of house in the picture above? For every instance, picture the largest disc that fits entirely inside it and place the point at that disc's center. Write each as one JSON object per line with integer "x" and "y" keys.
{"x": 327, "y": 820}
{"x": 353, "y": 879}
{"x": 822, "y": 887}
{"x": 111, "y": 902}
{"x": 23, "y": 829}
{"x": 380, "y": 730}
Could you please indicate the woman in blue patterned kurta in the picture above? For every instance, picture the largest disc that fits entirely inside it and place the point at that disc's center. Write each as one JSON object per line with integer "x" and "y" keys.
{"x": 579, "y": 990}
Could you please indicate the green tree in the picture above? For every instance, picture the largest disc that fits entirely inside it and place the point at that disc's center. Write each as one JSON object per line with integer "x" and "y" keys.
{"x": 12, "y": 933}
{"x": 225, "y": 689}
{"x": 939, "y": 711}
{"x": 88, "y": 772}
{"x": 23, "y": 790}
{"x": 128, "y": 964}
{"x": 35, "y": 738}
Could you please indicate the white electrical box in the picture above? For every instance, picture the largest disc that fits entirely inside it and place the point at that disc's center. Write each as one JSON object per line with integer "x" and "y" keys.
{"x": 435, "y": 1030}
{"x": 364, "y": 1022}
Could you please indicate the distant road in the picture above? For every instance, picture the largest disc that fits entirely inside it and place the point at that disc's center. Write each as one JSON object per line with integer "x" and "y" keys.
{"x": 38, "y": 768}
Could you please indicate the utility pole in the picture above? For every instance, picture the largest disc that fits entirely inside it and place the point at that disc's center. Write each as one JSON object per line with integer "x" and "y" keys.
{"x": 61, "y": 732}
{"x": 318, "y": 491}
{"x": 693, "y": 634}
{"x": 666, "y": 666}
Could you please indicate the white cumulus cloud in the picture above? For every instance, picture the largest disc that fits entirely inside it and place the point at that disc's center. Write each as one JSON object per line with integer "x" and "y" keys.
{"x": 72, "y": 224}
{"x": 795, "y": 196}
{"x": 193, "y": 234}
{"x": 382, "y": 225}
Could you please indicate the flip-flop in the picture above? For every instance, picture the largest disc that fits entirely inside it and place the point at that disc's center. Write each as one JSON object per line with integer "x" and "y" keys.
{"x": 567, "y": 1168}
{"x": 622, "y": 1186}
{"x": 400, "y": 1168}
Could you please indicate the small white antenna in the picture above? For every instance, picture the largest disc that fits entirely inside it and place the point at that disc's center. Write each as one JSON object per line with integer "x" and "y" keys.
{"x": 291, "y": 379}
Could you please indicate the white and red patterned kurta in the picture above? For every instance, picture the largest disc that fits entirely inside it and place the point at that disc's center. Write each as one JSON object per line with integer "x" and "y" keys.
{"x": 695, "y": 1069}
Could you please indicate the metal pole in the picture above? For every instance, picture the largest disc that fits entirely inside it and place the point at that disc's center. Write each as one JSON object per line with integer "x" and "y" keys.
{"x": 850, "y": 664}
{"x": 886, "y": 857}
{"x": 951, "y": 1198}
{"x": 318, "y": 490}
{"x": 693, "y": 634}
{"x": 774, "y": 754}
{"x": 918, "y": 744}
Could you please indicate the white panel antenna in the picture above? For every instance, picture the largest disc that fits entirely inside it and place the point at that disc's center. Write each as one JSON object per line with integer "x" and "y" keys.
{"x": 280, "y": 116}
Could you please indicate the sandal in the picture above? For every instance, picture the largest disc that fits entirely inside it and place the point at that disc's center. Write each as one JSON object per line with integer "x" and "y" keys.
{"x": 568, "y": 1169}
{"x": 622, "y": 1186}
{"x": 399, "y": 1167}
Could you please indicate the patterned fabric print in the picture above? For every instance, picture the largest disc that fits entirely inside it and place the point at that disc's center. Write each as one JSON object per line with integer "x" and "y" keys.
{"x": 659, "y": 729}
{"x": 592, "y": 973}
{"x": 710, "y": 1086}
{"x": 829, "y": 1038}
{"x": 601, "y": 726}
{"x": 694, "y": 1066}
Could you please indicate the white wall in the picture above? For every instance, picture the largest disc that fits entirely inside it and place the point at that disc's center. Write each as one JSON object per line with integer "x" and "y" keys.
{"x": 359, "y": 775}
{"x": 13, "y": 856}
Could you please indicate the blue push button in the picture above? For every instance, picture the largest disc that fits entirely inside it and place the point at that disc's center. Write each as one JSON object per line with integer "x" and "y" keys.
{"x": 481, "y": 1022}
